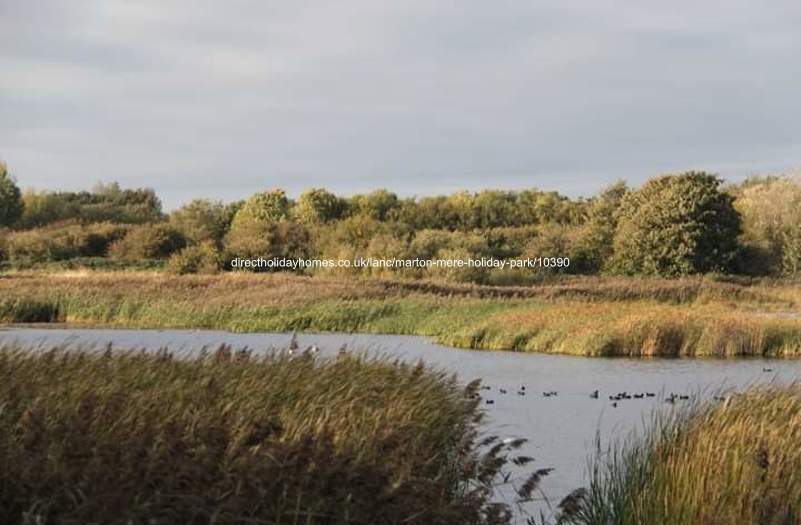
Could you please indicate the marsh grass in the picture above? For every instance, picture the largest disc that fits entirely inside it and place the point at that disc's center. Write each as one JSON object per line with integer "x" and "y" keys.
{"x": 735, "y": 462}
{"x": 228, "y": 438}
{"x": 583, "y": 316}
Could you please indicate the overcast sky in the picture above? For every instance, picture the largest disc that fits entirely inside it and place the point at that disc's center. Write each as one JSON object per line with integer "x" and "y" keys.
{"x": 221, "y": 99}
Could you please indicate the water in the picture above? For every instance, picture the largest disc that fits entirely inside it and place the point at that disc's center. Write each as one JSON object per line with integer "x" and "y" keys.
{"x": 561, "y": 429}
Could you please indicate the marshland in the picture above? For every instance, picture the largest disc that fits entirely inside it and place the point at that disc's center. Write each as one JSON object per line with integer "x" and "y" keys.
{"x": 99, "y": 288}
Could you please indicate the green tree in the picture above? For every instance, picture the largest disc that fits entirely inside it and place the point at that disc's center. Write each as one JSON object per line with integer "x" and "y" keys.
{"x": 268, "y": 206}
{"x": 594, "y": 246}
{"x": 676, "y": 225}
{"x": 319, "y": 206}
{"x": 10, "y": 198}
{"x": 201, "y": 220}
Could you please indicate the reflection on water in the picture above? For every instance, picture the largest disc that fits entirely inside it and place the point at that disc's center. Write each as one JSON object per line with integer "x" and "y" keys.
{"x": 561, "y": 428}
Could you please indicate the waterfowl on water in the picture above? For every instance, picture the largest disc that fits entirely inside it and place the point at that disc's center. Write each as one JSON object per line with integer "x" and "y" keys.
{"x": 490, "y": 401}
{"x": 594, "y": 394}
{"x": 614, "y": 405}
{"x": 502, "y": 390}
{"x": 293, "y": 342}
{"x": 765, "y": 369}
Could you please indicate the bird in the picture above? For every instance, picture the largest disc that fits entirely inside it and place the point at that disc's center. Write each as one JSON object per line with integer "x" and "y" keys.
{"x": 594, "y": 394}
{"x": 650, "y": 394}
{"x": 521, "y": 393}
{"x": 639, "y": 396}
{"x": 502, "y": 390}
{"x": 490, "y": 401}
{"x": 614, "y": 405}
{"x": 766, "y": 369}
{"x": 671, "y": 398}
{"x": 293, "y": 342}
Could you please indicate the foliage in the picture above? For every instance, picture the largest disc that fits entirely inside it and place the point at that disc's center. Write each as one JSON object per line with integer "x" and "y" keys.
{"x": 676, "y": 225}
{"x": 199, "y": 258}
{"x": 59, "y": 242}
{"x": 148, "y": 241}
{"x": 268, "y": 206}
{"x": 319, "y": 206}
{"x": 105, "y": 203}
{"x": 10, "y": 199}
{"x": 201, "y": 221}
{"x": 771, "y": 215}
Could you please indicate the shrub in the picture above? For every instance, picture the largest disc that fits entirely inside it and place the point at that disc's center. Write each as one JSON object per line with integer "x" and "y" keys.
{"x": 201, "y": 220}
{"x": 60, "y": 242}
{"x": 148, "y": 241}
{"x": 771, "y": 215}
{"x": 202, "y": 258}
{"x": 286, "y": 240}
{"x": 676, "y": 225}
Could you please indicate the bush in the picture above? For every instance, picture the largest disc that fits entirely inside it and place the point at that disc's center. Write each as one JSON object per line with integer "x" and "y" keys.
{"x": 285, "y": 240}
{"x": 148, "y": 241}
{"x": 676, "y": 225}
{"x": 201, "y": 258}
{"x": 230, "y": 439}
{"x": 201, "y": 220}
{"x": 771, "y": 214}
{"x": 62, "y": 242}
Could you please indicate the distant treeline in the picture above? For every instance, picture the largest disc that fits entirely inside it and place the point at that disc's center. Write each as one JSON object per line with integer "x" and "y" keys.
{"x": 672, "y": 225}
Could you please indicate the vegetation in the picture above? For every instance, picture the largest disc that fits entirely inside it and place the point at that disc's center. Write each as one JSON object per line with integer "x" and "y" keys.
{"x": 10, "y": 201}
{"x": 676, "y": 225}
{"x": 735, "y": 462}
{"x": 576, "y": 315}
{"x": 120, "y": 438}
{"x": 673, "y": 225}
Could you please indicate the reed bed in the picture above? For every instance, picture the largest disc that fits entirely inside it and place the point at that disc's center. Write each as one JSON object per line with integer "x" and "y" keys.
{"x": 582, "y": 316}
{"x": 229, "y": 438}
{"x": 735, "y": 463}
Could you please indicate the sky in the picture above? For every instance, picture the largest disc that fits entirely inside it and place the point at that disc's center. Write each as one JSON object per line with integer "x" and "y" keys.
{"x": 222, "y": 99}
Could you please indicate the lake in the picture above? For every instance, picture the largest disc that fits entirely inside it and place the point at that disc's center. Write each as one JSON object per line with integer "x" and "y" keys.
{"x": 561, "y": 428}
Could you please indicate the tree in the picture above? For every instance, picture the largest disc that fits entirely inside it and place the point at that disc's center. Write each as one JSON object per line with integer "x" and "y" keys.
{"x": 319, "y": 206}
{"x": 771, "y": 212}
{"x": 10, "y": 198}
{"x": 676, "y": 225}
{"x": 201, "y": 220}
{"x": 269, "y": 206}
{"x": 594, "y": 246}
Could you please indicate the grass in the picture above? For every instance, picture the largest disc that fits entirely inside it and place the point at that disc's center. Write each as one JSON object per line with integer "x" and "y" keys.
{"x": 229, "y": 438}
{"x": 582, "y": 316}
{"x": 734, "y": 463}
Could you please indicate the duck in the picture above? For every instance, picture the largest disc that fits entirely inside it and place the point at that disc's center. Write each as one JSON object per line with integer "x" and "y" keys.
{"x": 502, "y": 390}
{"x": 490, "y": 401}
{"x": 594, "y": 394}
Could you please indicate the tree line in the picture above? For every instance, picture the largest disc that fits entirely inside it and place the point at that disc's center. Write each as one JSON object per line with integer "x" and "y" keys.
{"x": 672, "y": 225}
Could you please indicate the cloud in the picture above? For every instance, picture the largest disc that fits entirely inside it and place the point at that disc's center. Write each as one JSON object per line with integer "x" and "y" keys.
{"x": 222, "y": 99}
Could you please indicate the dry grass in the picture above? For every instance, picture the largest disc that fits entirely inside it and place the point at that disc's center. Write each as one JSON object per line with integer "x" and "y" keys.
{"x": 736, "y": 463}
{"x": 233, "y": 439}
{"x": 585, "y": 316}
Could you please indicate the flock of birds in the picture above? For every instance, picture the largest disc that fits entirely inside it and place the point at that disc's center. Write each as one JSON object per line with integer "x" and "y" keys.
{"x": 294, "y": 348}
{"x": 595, "y": 394}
